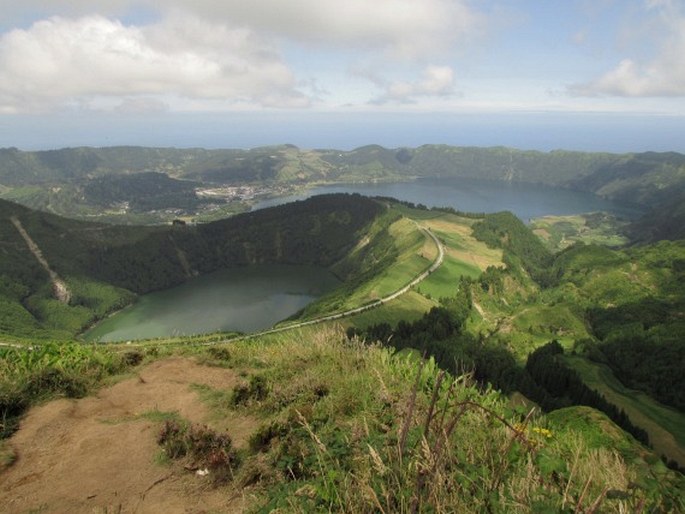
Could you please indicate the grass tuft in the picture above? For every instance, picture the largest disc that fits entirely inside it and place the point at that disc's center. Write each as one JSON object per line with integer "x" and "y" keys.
{"x": 204, "y": 448}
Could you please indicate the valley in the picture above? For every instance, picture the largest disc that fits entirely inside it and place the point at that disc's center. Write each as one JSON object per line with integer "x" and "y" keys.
{"x": 388, "y": 257}
{"x": 556, "y": 342}
{"x": 153, "y": 185}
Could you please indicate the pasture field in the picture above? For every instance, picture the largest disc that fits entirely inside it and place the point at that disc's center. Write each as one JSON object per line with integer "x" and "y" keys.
{"x": 559, "y": 232}
{"x": 665, "y": 426}
{"x": 408, "y": 307}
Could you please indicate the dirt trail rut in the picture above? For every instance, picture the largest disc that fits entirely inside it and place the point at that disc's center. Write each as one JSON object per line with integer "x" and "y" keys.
{"x": 97, "y": 454}
{"x": 59, "y": 286}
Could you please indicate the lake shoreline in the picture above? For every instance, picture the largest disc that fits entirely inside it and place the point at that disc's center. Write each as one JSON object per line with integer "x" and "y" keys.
{"x": 239, "y": 299}
{"x": 527, "y": 200}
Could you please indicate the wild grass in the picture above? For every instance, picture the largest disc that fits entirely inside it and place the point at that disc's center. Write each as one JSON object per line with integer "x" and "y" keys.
{"x": 349, "y": 427}
{"x": 442, "y": 283}
{"x": 203, "y": 448}
{"x": 7, "y": 456}
{"x": 30, "y": 374}
{"x": 409, "y": 241}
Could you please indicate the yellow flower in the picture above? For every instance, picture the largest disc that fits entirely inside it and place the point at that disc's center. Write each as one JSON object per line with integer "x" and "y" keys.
{"x": 543, "y": 432}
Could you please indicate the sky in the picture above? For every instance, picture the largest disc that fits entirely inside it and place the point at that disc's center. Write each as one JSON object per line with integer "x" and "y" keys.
{"x": 600, "y": 75}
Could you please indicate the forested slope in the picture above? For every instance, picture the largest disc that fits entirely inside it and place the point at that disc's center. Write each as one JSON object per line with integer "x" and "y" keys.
{"x": 105, "y": 264}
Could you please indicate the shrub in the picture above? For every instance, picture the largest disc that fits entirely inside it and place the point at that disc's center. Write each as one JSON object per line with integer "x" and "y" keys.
{"x": 202, "y": 445}
{"x": 256, "y": 390}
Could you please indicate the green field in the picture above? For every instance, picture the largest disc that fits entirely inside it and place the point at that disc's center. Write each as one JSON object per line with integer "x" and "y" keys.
{"x": 665, "y": 426}
{"x": 559, "y": 232}
{"x": 409, "y": 241}
{"x": 443, "y": 281}
{"x": 557, "y": 321}
{"x": 408, "y": 307}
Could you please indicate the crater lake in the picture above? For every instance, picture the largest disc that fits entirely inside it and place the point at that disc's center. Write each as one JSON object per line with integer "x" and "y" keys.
{"x": 244, "y": 299}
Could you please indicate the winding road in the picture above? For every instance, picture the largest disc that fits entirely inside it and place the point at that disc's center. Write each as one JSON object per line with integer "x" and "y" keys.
{"x": 331, "y": 317}
{"x": 377, "y": 303}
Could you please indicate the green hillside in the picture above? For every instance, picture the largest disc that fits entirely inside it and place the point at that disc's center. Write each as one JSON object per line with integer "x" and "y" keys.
{"x": 348, "y": 416}
{"x": 75, "y": 181}
{"x": 360, "y": 429}
{"x": 103, "y": 266}
{"x": 618, "y": 308}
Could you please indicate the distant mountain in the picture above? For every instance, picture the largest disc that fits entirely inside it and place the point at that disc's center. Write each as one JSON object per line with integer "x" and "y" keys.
{"x": 60, "y": 179}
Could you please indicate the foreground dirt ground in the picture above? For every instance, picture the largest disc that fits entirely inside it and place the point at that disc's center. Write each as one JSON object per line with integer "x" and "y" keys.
{"x": 99, "y": 455}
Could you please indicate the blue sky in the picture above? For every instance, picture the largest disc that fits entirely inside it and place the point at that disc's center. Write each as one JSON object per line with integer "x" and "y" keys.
{"x": 577, "y": 74}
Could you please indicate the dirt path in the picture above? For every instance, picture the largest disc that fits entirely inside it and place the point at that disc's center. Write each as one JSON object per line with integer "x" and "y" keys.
{"x": 98, "y": 454}
{"x": 59, "y": 286}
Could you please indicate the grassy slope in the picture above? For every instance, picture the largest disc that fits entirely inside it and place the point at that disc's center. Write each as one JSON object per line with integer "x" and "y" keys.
{"x": 464, "y": 256}
{"x": 103, "y": 264}
{"x": 559, "y": 232}
{"x": 343, "y": 429}
{"x": 410, "y": 251}
{"x": 598, "y": 431}
{"x": 333, "y": 414}
{"x": 665, "y": 426}
{"x": 408, "y": 307}
{"x": 521, "y": 316}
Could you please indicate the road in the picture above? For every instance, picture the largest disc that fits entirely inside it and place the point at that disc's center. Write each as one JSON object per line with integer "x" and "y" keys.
{"x": 331, "y": 317}
{"x": 377, "y": 303}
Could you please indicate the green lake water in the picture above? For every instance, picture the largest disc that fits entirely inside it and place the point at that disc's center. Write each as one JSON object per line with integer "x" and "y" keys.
{"x": 239, "y": 299}
{"x": 255, "y": 298}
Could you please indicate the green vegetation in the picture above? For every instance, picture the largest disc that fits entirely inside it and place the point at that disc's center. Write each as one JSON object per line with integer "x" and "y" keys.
{"x": 393, "y": 252}
{"x": 204, "y": 448}
{"x": 347, "y": 427}
{"x": 74, "y": 180}
{"x": 560, "y": 232}
{"x": 408, "y": 307}
{"x": 147, "y": 191}
{"x": 31, "y": 374}
{"x": 618, "y": 307}
{"x": 506, "y": 231}
{"x": 104, "y": 266}
{"x": 442, "y": 282}
{"x": 664, "y": 426}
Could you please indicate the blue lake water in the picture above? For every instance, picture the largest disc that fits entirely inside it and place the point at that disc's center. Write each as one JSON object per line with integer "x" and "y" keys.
{"x": 527, "y": 201}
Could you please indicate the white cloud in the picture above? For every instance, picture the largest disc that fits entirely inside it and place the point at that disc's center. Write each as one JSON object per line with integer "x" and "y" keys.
{"x": 403, "y": 28}
{"x": 436, "y": 81}
{"x": 60, "y": 61}
{"x": 662, "y": 75}
{"x": 145, "y": 54}
{"x": 140, "y": 105}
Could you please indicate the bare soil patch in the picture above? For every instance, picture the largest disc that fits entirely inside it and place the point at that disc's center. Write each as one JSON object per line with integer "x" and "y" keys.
{"x": 98, "y": 454}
